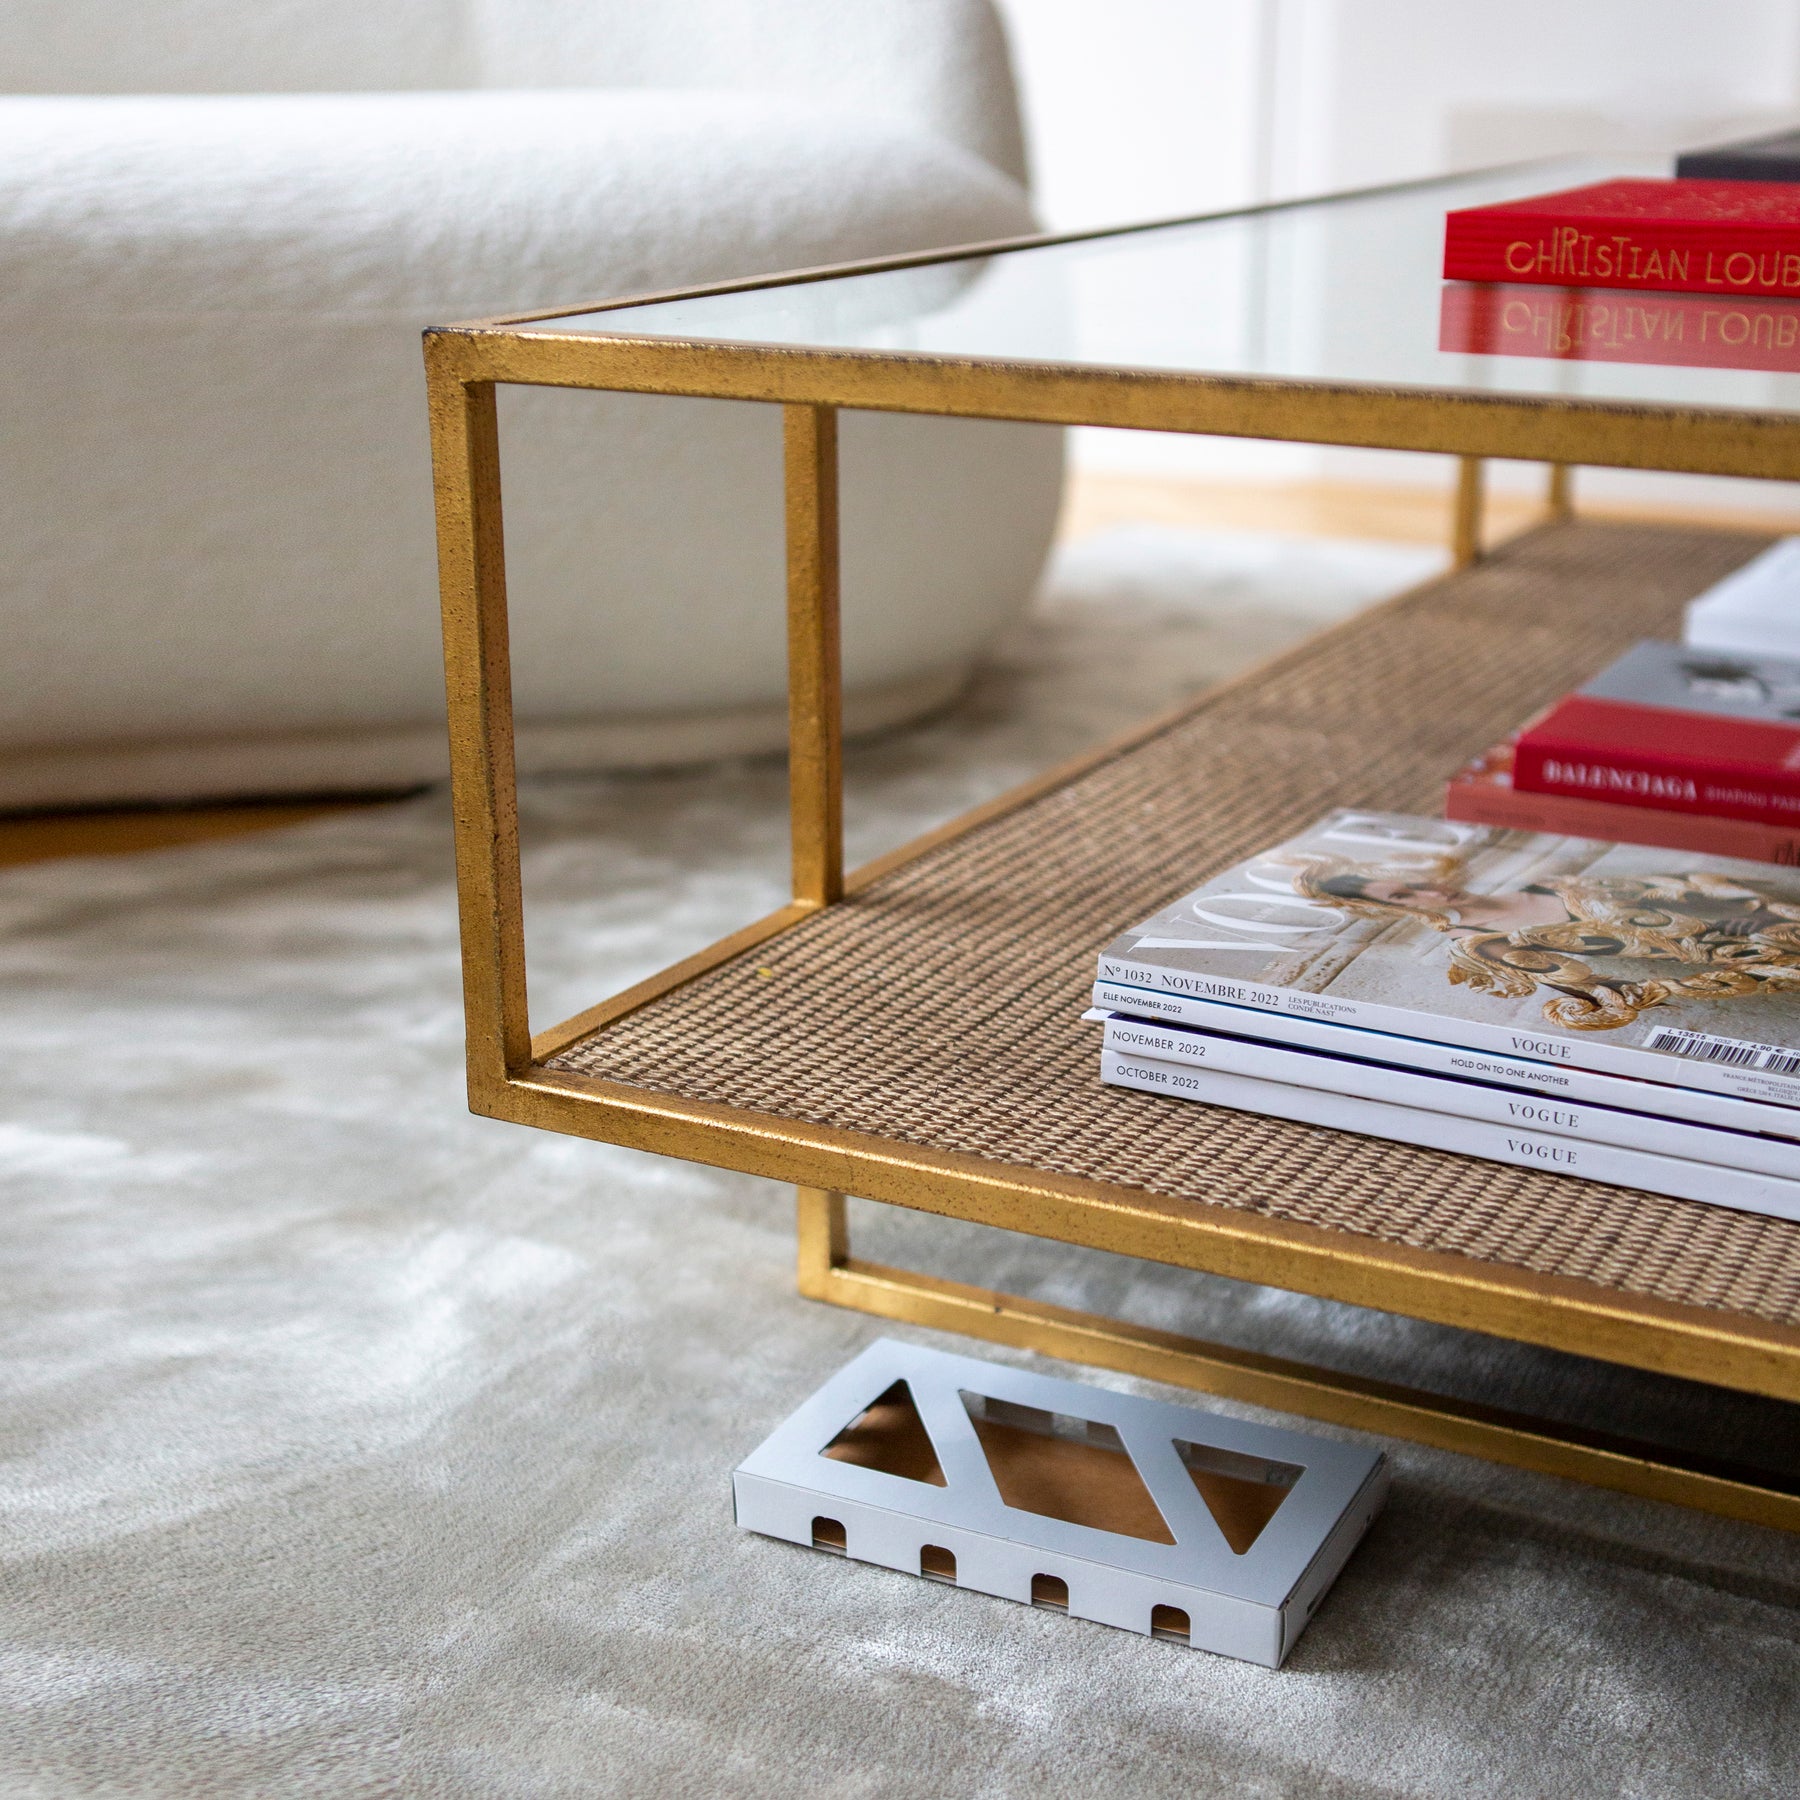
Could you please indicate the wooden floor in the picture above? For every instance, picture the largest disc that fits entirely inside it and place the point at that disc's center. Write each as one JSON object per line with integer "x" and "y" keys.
{"x": 1397, "y": 515}
{"x": 1394, "y": 515}
{"x": 1095, "y": 501}
{"x": 46, "y": 836}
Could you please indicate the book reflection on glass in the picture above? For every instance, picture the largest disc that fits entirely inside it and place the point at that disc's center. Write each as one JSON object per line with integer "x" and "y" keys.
{"x": 1692, "y": 331}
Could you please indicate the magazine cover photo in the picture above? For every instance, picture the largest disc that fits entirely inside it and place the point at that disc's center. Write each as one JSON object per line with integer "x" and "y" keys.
{"x": 1556, "y": 942}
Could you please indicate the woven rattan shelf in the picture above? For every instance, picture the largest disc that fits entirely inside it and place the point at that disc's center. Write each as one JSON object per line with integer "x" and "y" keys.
{"x": 911, "y": 1034}
{"x": 939, "y": 1006}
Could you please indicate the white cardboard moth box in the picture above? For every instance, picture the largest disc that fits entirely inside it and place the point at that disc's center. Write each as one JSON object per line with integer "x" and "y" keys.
{"x": 1154, "y": 1518}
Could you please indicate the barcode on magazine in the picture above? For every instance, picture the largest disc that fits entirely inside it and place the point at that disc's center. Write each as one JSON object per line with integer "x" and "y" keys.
{"x": 1767, "y": 1059}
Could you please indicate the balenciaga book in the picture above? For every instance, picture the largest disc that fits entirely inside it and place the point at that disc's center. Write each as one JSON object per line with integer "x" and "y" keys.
{"x": 1660, "y": 965}
{"x": 1482, "y": 793}
{"x": 1675, "y": 729}
{"x": 1756, "y": 1157}
{"x": 1689, "y": 237}
{"x": 1465, "y": 1136}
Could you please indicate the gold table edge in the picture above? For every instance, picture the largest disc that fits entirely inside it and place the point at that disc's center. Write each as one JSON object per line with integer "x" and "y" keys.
{"x": 1726, "y": 1349}
{"x": 1281, "y": 1385}
{"x": 1528, "y": 427}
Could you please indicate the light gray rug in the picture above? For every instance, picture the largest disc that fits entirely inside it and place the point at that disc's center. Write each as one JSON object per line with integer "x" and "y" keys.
{"x": 356, "y": 1446}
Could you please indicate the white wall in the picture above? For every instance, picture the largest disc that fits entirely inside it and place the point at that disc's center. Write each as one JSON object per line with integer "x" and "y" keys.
{"x": 1417, "y": 87}
{"x": 1137, "y": 108}
{"x": 1144, "y": 108}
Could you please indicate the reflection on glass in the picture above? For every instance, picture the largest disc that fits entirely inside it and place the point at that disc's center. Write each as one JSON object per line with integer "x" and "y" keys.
{"x": 1691, "y": 331}
{"x": 1346, "y": 290}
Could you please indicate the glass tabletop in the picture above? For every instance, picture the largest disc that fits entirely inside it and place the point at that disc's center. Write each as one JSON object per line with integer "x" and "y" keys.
{"x": 1343, "y": 289}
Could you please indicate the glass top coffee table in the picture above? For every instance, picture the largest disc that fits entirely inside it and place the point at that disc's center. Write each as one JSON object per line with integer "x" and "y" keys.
{"x": 909, "y": 1031}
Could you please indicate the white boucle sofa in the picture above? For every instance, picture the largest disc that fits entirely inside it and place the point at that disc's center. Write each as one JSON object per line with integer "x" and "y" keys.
{"x": 223, "y": 224}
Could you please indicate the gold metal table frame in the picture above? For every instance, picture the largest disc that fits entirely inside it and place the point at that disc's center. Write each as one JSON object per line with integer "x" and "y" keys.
{"x": 507, "y": 1075}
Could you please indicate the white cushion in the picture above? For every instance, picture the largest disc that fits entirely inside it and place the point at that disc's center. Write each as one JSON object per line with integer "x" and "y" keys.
{"x": 235, "y": 46}
{"x": 439, "y": 205}
{"x": 938, "y": 66}
{"x": 218, "y": 519}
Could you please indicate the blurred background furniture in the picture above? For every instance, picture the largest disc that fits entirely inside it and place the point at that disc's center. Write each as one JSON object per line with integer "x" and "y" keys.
{"x": 221, "y": 228}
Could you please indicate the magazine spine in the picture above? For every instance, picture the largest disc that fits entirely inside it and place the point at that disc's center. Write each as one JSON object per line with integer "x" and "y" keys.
{"x": 1611, "y": 250}
{"x": 1564, "y": 1050}
{"x": 1483, "y": 800}
{"x": 1728, "y": 1112}
{"x": 1699, "y": 1106}
{"x": 1617, "y": 1167}
{"x": 1463, "y": 1099}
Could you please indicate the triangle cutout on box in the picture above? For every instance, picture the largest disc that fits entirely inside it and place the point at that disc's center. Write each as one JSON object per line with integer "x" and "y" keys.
{"x": 1242, "y": 1493}
{"x": 889, "y": 1436}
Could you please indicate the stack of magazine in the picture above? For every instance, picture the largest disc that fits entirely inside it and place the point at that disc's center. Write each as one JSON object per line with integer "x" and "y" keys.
{"x": 1616, "y": 1012}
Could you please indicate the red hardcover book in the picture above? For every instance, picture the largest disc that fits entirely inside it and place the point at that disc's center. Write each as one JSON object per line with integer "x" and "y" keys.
{"x": 1483, "y": 794}
{"x": 1690, "y": 237}
{"x": 1583, "y": 325}
{"x": 1674, "y": 730}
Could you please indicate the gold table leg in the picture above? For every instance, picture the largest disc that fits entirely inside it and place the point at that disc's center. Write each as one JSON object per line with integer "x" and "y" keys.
{"x": 1559, "y": 494}
{"x": 828, "y": 1272}
{"x": 823, "y": 1223}
{"x": 465, "y": 446}
{"x": 1465, "y": 524}
{"x": 815, "y": 673}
